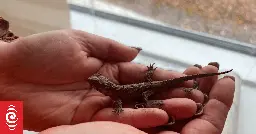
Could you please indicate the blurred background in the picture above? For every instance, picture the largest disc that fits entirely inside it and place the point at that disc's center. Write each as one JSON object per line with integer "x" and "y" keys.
{"x": 174, "y": 34}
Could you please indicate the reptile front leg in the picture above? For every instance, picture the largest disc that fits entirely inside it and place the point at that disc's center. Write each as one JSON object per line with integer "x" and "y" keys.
{"x": 146, "y": 102}
{"x": 148, "y": 93}
{"x": 152, "y": 103}
{"x": 147, "y": 78}
{"x": 150, "y": 72}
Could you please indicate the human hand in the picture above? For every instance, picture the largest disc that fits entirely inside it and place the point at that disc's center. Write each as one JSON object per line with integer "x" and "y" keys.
{"x": 221, "y": 94}
{"x": 210, "y": 122}
{"x": 98, "y": 127}
{"x": 48, "y": 71}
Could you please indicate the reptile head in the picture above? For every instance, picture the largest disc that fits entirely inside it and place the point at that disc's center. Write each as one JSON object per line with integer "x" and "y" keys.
{"x": 94, "y": 79}
{"x": 101, "y": 84}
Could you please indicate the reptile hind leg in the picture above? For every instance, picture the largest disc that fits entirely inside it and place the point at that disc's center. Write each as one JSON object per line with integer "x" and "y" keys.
{"x": 117, "y": 106}
{"x": 154, "y": 103}
{"x": 151, "y": 103}
{"x": 189, "y": 90}
{"x": 145, "y": 96}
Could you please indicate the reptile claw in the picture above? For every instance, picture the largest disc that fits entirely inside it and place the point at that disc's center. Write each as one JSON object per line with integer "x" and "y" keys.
{"x": 118, "y": 111}
{"x": 188, "y": 90}
{"x": 151, "y": 66}
{"x": 140, "y": 105}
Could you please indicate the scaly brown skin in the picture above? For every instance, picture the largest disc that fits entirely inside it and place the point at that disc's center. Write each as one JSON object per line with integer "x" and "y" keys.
{"x": 140, "y": 91}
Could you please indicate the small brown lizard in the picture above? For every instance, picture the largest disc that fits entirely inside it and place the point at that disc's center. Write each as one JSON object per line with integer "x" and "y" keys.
{"x": 140, "y": 91}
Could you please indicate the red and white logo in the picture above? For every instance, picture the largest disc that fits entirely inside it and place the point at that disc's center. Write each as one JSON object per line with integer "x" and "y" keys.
{"x": 11, "y": 117}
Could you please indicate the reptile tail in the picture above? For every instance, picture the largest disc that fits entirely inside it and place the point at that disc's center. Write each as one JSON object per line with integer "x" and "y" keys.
{"x": 191, "y": 77}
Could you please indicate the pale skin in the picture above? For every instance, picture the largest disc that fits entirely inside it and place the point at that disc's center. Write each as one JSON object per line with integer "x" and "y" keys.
{"x": 48, "y": 72}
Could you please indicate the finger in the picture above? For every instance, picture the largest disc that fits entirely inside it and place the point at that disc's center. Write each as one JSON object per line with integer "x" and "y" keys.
{"x": 98, "y": 127}
{"x": 167, "y": 132}
{"x": 158, "y": 130}
{"x": 223, "y": 90}
{"x": 205, "y": 84}
{"x": 106, "y": 49}
{"x": 150, "y": 117}
{"x": 215, "y": 111}
{"x": 195, "y": 95}
{"x": 167, "y": 129}
{"x": 180, "y": 108}
{"x": 133, "y": 73}
{"x": 192, "y": 70}
{"x": 139, "y": 118}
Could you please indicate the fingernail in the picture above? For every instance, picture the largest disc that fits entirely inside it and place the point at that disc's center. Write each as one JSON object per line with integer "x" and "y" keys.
{"x": 171, "y": 121}
{"x": 216, "y": 64}
{"x": 200, "y": 109}
{"x": 197, "y": 65}
{"x": 138, "y": 48}
{"x": 231, "y": 77}
{"x": 206, "y": 99}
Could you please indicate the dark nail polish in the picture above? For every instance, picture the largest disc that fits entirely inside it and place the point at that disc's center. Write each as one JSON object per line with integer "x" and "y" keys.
{"x": 197, "y": 65}
{"x": 216, "y": 64}
{"x": 231, "y": 77}
{"x": 171, "y": 121}
{"x": 206, "y": 99}
{"x": 200, "y": 109}
{"x": 138, "y": 48}
{"x": 199, "y": 105}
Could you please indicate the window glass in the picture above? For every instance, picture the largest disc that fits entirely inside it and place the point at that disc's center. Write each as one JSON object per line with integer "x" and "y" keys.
{"x": 232, "y": 19}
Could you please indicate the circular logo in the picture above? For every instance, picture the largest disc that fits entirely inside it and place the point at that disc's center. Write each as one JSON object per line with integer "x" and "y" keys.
{"x": 11, "y": 118}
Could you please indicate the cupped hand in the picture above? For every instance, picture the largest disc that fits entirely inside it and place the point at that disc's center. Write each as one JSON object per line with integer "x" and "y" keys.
{"x": 220, "y": 94}
{"x": 210, "y": 122}
{"x": 48, "y": 72}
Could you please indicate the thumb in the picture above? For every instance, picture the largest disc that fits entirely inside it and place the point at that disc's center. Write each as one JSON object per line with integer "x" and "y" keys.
{"x": 107, "y": 49}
